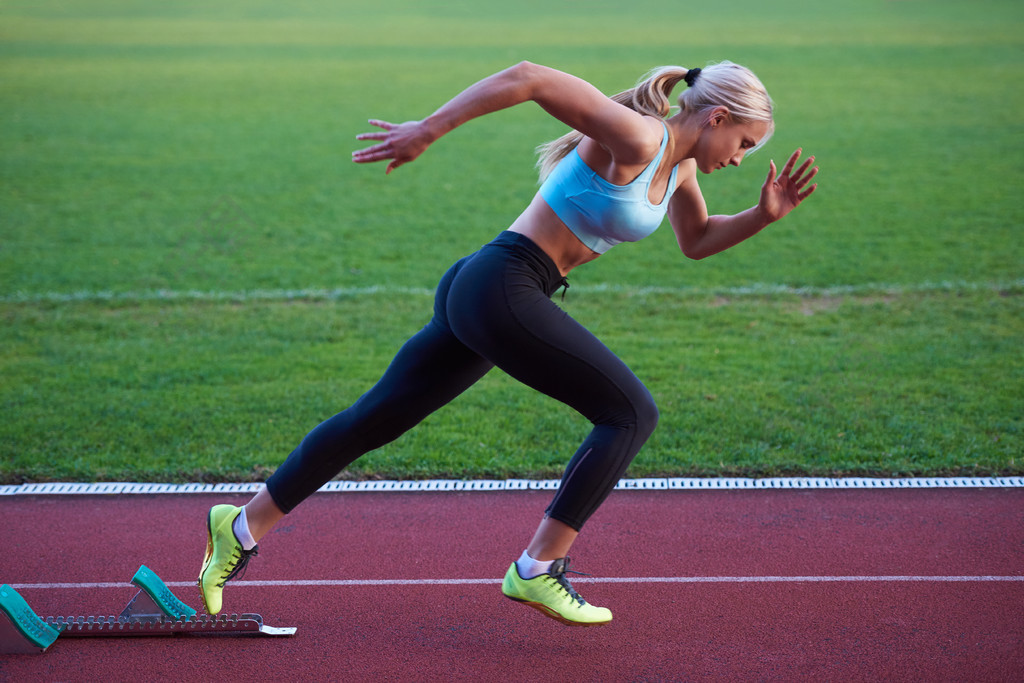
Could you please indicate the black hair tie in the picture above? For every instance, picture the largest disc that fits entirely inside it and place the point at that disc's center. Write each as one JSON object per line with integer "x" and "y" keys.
{"x": 691, "y": 76}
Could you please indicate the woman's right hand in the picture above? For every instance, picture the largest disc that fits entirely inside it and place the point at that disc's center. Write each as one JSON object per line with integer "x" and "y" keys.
{"x": 400, "y": 142}
{"x": 783, "y": 192}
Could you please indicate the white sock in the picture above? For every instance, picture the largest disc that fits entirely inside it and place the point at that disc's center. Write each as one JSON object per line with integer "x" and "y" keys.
{"x": 530, "y": 568}
{"x": 241, "y": 528}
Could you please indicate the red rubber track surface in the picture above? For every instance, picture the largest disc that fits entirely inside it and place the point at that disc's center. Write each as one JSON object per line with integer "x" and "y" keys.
{"x": 710, "y": 629}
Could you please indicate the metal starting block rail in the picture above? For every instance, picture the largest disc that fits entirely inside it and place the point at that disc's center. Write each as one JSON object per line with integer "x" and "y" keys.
{"x": 154, "y": 611}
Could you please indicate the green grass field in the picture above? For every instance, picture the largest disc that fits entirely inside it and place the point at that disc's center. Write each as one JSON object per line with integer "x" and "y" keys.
{"x": 193, "y": 273}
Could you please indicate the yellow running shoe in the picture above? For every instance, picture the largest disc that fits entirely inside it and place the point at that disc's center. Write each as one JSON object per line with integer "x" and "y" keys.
{"x": 554, "y": 596}
{"x": 225, "y": 557}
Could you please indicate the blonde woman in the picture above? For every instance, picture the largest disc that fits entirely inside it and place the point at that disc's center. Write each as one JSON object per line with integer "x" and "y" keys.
{"x": 611, "y": 180}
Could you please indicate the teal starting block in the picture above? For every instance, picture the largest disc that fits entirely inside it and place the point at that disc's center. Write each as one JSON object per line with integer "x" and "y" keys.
{"x": 154, "y": 600}
{"x": 154, "y": 611}
{"x": 22, "y": 632}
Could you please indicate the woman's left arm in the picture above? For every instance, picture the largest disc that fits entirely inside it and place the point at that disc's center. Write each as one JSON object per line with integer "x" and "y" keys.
{"x": 700, "y": 235}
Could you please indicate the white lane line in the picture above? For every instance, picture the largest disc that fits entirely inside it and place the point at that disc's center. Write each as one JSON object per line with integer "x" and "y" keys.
{"x": 489, "y": 485}
{"x": 344, "y": 583}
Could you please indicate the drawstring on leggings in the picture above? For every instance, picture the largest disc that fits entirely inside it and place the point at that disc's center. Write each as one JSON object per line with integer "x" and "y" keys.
{"x": 564, "y": 284}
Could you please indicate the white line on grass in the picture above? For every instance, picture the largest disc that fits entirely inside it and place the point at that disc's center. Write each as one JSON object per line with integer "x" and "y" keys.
{"x": 316, "y": 293}
{"x": 357, "y": 583}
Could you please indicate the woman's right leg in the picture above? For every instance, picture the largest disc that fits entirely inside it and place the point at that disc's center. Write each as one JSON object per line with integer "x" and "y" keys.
{"x": 500, "y": 306}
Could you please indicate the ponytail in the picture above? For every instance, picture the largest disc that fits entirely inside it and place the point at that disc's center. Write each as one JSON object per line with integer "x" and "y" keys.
{"x": 650, "y": 97}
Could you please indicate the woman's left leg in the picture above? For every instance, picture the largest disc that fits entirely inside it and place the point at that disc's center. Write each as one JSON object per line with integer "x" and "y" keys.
{"x": 430, "y": 369}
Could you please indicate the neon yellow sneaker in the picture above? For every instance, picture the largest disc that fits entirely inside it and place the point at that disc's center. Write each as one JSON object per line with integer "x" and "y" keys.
{"x": 225, "y": 557}
{"x": 554, "y": 596}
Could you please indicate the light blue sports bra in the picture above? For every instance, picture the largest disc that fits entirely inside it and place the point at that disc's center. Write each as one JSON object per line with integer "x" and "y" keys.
{"x": 599, "y": 213}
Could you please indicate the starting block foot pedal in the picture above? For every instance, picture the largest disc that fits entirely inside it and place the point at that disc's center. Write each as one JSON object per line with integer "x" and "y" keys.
{"x": 22, "y": 631}
{"x": 154, "y": 601}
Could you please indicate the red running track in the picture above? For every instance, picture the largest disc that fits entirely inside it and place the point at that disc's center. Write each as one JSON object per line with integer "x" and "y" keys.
{"x": 707, "y": 625}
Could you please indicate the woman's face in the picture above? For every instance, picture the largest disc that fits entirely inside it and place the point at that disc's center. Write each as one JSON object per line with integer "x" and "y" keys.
{"x": 724, "y": 143}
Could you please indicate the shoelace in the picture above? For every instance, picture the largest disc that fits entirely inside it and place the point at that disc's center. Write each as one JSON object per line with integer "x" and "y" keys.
{"x": 559, "y": 576}
{"x": 240, "y": 564}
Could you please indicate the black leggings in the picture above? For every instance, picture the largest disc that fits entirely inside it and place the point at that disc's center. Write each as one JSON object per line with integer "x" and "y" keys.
{"x": 492, "y": 308}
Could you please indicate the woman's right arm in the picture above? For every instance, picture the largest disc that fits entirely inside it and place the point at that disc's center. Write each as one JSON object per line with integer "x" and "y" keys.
{"x": 626, "y": 135}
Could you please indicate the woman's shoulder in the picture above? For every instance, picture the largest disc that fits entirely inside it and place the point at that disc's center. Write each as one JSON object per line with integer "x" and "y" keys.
{"x": 655, "y": 136}
{"x": 644, "y": 147}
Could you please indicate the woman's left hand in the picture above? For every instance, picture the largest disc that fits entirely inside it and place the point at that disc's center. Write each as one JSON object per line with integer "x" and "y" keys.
{"x": 782, "y": 193}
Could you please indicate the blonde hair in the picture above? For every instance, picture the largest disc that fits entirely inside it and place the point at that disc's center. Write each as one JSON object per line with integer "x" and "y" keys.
{"x": 717, "y": 85}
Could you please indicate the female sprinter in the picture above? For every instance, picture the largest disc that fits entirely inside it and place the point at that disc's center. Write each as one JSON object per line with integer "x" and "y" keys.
{"x": 611, "y": 180}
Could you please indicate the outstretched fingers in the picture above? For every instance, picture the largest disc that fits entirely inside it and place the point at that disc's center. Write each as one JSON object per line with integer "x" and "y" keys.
{"x": 376, "y": 152}
{"x": 785, "y": 191}
{"x": 802, "y": 176}
{"x": 803, "y": 169}
{"x": 787, "y": 169}
{"x": 377, "y": 134}
{"x": 380, "y": 124}
{"x": 807, "y": 193}
{"x": 801, "y": 179}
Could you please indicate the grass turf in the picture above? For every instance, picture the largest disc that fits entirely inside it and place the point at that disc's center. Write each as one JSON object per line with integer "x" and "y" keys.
{"x": 192, "y": 148}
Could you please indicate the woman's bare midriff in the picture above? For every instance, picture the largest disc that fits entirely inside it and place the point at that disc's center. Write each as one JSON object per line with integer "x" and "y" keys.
{"x": 547, "y": 231}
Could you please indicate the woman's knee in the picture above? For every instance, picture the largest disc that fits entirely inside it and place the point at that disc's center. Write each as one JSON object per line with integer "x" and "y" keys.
{"x": 647, "y": 414}
{"x": 633, "y": 409}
